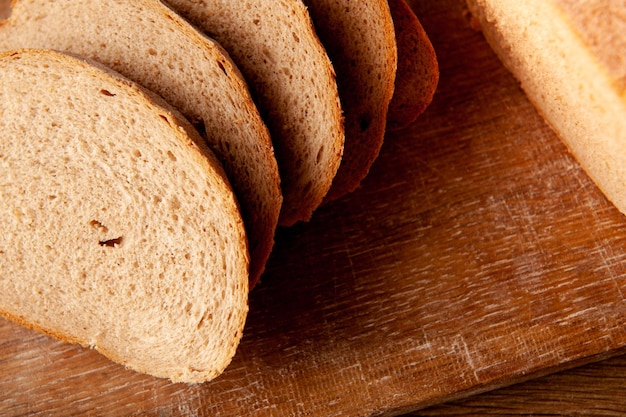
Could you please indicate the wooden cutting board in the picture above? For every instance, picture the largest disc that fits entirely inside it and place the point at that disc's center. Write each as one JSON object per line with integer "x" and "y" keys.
{"x": 476, "y": 254}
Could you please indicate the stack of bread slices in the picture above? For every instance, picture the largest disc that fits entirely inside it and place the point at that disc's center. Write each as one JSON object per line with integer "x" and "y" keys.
{"x": 150, "y": 150}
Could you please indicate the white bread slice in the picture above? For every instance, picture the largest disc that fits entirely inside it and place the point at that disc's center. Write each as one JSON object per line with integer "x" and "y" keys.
{"x": 417, "y": 76}
{"x": 293, "y": 82}
{"x": 120, "y": 230}
{"x": 360, "y": 40}
{"x": 569, "y": 57}
{"x": 147, "y": 42}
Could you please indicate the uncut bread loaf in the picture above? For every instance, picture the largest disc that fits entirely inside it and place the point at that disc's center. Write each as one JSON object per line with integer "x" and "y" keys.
{"x": 359, "y": 37}
{"x": 569, "y": 58}
{"x": 417, "y": 76}
{"x": 120, "y": 230}
{"x": 149, "y": 43}
{"x": 293, "y": 82}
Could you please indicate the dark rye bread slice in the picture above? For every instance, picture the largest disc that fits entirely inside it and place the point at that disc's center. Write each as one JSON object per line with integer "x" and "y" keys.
{"x": 120, "y": 230}
{"x": 293, "y": 82}
{"x": 149, "y": 43}
{"x": 359, "y": 37}
{"x": 418, "y": 70}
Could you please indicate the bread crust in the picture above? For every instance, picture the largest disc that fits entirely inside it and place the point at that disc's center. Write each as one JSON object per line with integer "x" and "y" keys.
{"x": 418, "y": 69}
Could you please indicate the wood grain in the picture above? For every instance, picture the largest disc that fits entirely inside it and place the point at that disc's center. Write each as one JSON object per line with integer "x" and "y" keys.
{"x": 475, "y": 255}
{"x": 597, "y": 390}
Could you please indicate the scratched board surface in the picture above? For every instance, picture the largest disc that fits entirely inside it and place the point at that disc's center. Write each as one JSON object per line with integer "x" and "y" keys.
{"x": 476, "y": 254}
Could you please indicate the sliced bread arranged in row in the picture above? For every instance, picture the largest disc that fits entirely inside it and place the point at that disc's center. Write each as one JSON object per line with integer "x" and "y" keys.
{"x": 147, "y": 42}
{"x": 120, "y": 230}
{"x": 293, "y": 82}
{"x": 360, "y": 40}
{"x": 93, "y": 162}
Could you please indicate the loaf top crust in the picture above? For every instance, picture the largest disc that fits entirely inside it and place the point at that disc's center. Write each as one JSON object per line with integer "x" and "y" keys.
{"x": 565, "y": 55}
{"x": 601, "y": 24}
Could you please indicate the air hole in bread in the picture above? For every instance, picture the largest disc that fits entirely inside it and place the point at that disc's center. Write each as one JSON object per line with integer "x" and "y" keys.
{"x": 111, "y": 243}
{"x": 171, "y": 156}
{"x": 221, "y": 65}
{"x": 97, "y": 225}
{"x": 365, "y": 120}
{"x": 152, "y": 52}
{"x": 205, "y": 317}
{"x": 107, "y": 93}
{"x": 268, "y": 54}
{"x": 164, "y": 117}
{"x": 320, "y": 154}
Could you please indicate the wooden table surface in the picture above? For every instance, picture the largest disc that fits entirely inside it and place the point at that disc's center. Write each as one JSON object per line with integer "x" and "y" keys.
{"x": 598, "y": 389}
{"x": 476, "y": 254}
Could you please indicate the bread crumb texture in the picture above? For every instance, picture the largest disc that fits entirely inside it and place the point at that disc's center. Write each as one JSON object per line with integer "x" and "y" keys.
{"x": 119, "y": 233}
{"x": 293, "y": 83}
{"x": 150, "y": 44}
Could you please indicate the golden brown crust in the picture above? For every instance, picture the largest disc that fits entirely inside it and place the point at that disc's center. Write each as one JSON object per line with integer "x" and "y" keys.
{"x": 418, "y": 70}
{"x": 599, "y": 24}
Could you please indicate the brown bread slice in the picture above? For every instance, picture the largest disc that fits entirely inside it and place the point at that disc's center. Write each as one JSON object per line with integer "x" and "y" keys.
{"x": 569, "y": 58}
{"x": 149, "y": 43}
{"x": 418, "y": 70}
{"x": 359, "y": 37}
{"x": 293, "y": 82}
{"x": 120, "y": 230}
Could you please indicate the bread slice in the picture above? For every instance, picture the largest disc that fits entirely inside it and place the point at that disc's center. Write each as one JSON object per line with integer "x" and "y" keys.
{"x": 147, "y": 42}
{"x": 569, "y": 58}
{"x": 359, "y": 37}
{"x": 120, "y": 230}
{"x": 293, "y": 82}
{"x": 418, "y": 70}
